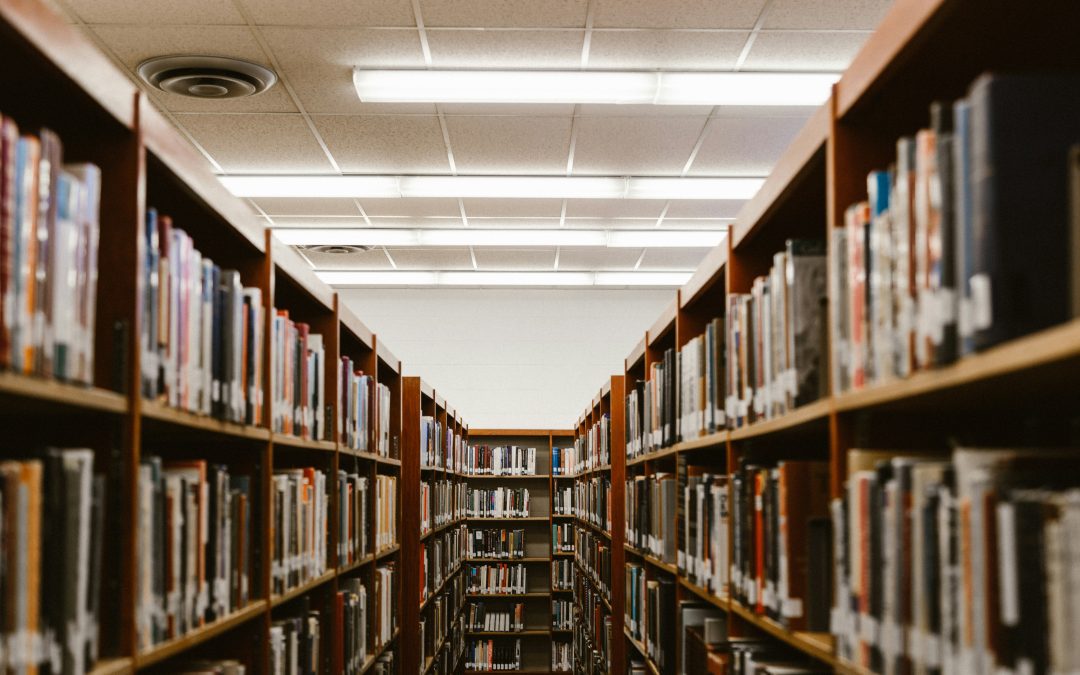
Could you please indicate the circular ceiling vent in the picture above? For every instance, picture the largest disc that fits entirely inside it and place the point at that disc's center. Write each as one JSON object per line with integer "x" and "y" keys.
{"x": 206, "y": 76}
{"x": 336, "y": 249}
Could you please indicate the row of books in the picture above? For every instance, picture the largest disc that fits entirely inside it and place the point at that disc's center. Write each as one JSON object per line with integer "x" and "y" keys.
{"x": 365, "y": 410}
{"x": 386, "y": 492}
{"x": 562, "y": 657}
{"x": 562, "y": 500}
{"x": 593, "y": 629}
{"x": 195, "y": 546}
{"x": 497, "y": 544}
{"x": 299, "y": 526}
{"x": 506, "y": 460}
{"x": 441, "y": 501}
{"x": 701, "y": 627}
{"x": 592, "y": 501}
{"x": 202, "y": 332}
{"x": 936, "y": 264}
{"x": 492, "y": 579}
{"x": 704, "y": 556}
{"x": 493, "y": 654}
{"x": 591, "y": 658}
{"x": 52, "y": 516}
{"x": 49, "y": 234}
{"x": 296, "y": 643}
{"x": 650, "y": 503}
{"x": 298, "y": 377}
{"x": 441, "y": 447}
{"x": 562, "y": 574}
{"x": 441, "y": 625}
{"x": 747, "y": 656}
{"x": 353, "y": 501}
{"x": 649, "y": 606}
{"x": 702, "y": 383}
{"x": 958, "y": 564}
{"x": 776, "y": 337}
{"x": 386, "y": 593}
{"x": 562, "y": 537}
{"x": 597, "y": 450}
{"x": 780, "y": 542}
{"x": 651, "y": 408}
{"x": 500, "y": 502}
{"x": 594, "y": 556}
{"x": 562, "y": 614}
{"x": 494, "y": 617}
{"x": 440, "y": 557}
{"x": 563, "y": 461}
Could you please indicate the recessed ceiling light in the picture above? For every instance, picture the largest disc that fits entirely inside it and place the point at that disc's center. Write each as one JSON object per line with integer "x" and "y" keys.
{"x": 516, "y": 187}
{"x": 596, "y": 86}
{"x": 367, "y": 237}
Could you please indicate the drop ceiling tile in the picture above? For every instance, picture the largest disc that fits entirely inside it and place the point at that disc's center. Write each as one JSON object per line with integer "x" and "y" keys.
{"x": 833, "y": 15}
{"x": 818, "y": 51}
{"x": 510, "y": 145}
{"x": 331, "y": 13}
{"x": 257, "y": 143}
{"x": 747, "y": 146}
{"x": 520, "y": 109}
{"x": 634, "y": 145}
{"x": 513, "y": 208}
{"x": 704, "y": 208}
{"x": 651, "y": 49}
{"x": 694, "y": 224}
{"x": 507, "y": 13}
{"x": 512, "y": 259}
{"x": 610, "y": 224}
{"x": 443, "y": 258}
{"x": 509, "y": 223}
{"x": 505, "y": 48}
{"x": 384, "y": 143}
{"x": 581, "y": 259}
{"x": 614, "y": 208}
{"x": 421, "y": 223}
{"x": 132, "y": 45}
{"x": 374, "y": 259}
{"x": 319, "y": 64}
{"x": 620, "y": 110}
{"x": 677, "y": 13}
{"x": 672, "y": 259}
{"x": 308, "y": 207}
{"x": 319, "y": 222}
{"x": 156, "y": 12}
{"x": 412, "y": 207}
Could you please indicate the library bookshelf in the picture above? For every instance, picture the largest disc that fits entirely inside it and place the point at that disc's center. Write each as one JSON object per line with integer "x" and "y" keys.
{"x": 538, "y": 634}
{"x": 923, "y": 51}
{"x": 64, "y": 83}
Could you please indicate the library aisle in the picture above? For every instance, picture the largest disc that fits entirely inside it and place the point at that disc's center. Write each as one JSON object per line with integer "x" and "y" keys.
{"x": 844, "y": 438}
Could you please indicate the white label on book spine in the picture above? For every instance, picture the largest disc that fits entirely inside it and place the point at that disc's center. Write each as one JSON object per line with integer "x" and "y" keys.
{"x": 868, "y": 629}
{"x": 982, "y": 310}
{"x": 792, "y": 608}
{"x": 931, "y": 650}
{"x": 1010, "y": 600}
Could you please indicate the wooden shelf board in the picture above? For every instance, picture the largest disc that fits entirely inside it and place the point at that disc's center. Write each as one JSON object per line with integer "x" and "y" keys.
{"x": 507, "y": 560}
{"x": 709, "y": 270}
{"x": 641, "y": 650}
{"x": 379, "y": 652}
{"x": 390, "y": 461}
{"x": 169, "y": 648}
{"x": 562, "y": 554}
{"x": 156, "y": 411}
{"x": 538, "y": 476}
{"x": 366, "y": 560}
{"x": 704, "y": 594}
{"x": 387, "y": 552}
{"x": 816, "y": 645}
{"x": 665, "y": 323}
{"x": 818, "y": 411}
{"x": 636, "y": 355}
{"x": 359, "y": 454}
{"x": 442, "y": 586}
{"x": 563, "y": 516}
{"x": 38, "y": 390}
{"x": 595, "y": 528}
{"x": 107, "y": 666}
{"x": 562, "y": 590}
{"x": 302, "y": 588}
{"x": 654, "y": 455}
{"x": 304, "y": 443}
{"x": 704, "y": 442}
{"x": 527, "y": 519}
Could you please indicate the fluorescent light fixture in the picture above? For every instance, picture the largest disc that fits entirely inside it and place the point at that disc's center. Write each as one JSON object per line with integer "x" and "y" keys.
{"x": 548, "y": 279}
{"x": 500, "y": 238}
{"x": 515, "y": 187}
{"x": 595, "y": 86}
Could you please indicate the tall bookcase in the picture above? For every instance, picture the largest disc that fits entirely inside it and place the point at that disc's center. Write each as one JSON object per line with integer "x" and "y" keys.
{"x": 64, "y": 83}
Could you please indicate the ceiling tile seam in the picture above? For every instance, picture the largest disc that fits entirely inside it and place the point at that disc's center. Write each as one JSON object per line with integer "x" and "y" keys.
{"x": 558, "y": 252}
{"x": 573, "y": 140}
{"x": 461, "y": 210}
{"x": 562, "y": 214}
{"x": 472, "y": 256}
{"x": 262, "y": 213}
{"x": 418, "y": 16}
{"x": 702, "y": 135}
{"x": 446, "y": 140}
{"x": 641, "y": 257}
{"x": 103, "y": 46}
{"x": 389, "y": 257}
{"x": 663, "y": 213}
{"x": 586, "y": 41}
{"x": 284, "y": 80}
{"x": 363, "y": 213}
{"x": 748, "y": 45}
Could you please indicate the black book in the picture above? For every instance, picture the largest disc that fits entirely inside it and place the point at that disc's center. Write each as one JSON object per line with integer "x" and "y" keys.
{"x": 807, "y": 271}
{"x": 819, "y": 579}
{"x": 944, "y": 198}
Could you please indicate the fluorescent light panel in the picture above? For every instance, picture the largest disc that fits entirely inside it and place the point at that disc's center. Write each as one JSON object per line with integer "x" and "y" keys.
{"x": 611, "y": 87}
{"x": 515, "y": 187}
{"x": 577, "y": 279}
{"x": 500, "y": 238}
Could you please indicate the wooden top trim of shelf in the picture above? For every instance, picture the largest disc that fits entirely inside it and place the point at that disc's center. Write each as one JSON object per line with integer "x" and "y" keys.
{"x": 163, "y": 413}
{"x": 170, "y": 648}
{"x": 1043, "y": 349}
{"x": 70, "y": 52}
{"x": 426, "y": 389}
{"x": 299, "y": 271}
{"x": 440, "y": 402}
{"x": 350, "y": 321}
{"x": 710, "y": 270}
{"x": 605, "y": 388}
{"x": 163, "y": 140}
{"x": 76, "y": 396}
{"x": 664, "y": 323}
{"x": 305, "y": 443}
{"x": 783, "y": 177}
{"x": 636, "y": 354}
{"x": 293, "y": 593}
{"x": 817, "y": 645}
{"x": 882, "y": 51}
{"x": 383, "y": 353}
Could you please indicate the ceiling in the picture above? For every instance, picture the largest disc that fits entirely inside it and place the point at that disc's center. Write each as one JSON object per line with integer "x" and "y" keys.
{"x": 312, "y": 120}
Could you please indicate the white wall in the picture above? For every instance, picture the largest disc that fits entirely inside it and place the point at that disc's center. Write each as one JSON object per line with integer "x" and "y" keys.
{"x": 511, "y": 358}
